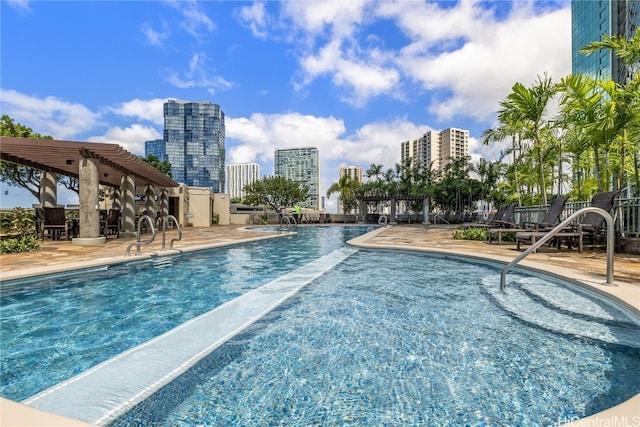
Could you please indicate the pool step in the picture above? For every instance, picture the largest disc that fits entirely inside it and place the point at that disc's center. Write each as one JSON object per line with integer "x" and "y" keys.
{"x": 109, "y": 389}
{"x": 562, "y": 311}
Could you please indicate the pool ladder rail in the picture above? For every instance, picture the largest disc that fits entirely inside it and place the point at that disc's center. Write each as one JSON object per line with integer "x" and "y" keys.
{"x": 558, "y": 229}
{"x": 165, "y": 221}
{"x": 287, "y": 222}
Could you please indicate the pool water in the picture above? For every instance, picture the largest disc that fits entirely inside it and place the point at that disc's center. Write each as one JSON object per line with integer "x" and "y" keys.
{"x": 60, "y": 325}
{"x": 384, "y": 338}
{"x": 399, "y": 338}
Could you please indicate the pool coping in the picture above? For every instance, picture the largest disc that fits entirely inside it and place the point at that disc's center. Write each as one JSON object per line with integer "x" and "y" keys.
{"x": 627, "y": 296}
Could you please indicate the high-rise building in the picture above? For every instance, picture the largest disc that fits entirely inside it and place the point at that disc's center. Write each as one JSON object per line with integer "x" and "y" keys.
{"x": 590, "y": 19}
{"x": 239, "y": 175}
{"x": 194, "y": 134}
{"x": 454, "y": 145}
{"x": 354, "y": 172}
{"x": 436, "y": 149}
{"x": 156, "y": 147}
{"x": 301, "y": 165}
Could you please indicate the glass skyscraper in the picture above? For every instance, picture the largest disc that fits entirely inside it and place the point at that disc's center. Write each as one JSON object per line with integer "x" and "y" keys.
{"x": 590, "y": 19}
{"x": 301, "y": 165}
{"x": 155, "y": 147}
{"x": 194, "y": 135}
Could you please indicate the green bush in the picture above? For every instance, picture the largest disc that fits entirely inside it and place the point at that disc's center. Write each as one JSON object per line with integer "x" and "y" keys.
{"x": 19, "y": 244}
{"x": 20, "y": 224}
{"x": 22, "y": 221}
{"x": 471, "y": 233}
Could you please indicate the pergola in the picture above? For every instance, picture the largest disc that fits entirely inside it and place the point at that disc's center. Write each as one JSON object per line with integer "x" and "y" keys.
{"x": 92, "y": 164}
{"x": 394, "y": 198}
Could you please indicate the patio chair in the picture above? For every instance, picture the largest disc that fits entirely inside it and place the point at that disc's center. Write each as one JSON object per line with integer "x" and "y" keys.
{"x": 589, "y": 229}
{"x": 53, "y": 222}
{"x": 110, "y": 225}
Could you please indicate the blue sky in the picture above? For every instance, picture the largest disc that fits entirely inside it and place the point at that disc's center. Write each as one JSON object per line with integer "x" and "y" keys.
{"x": 352, "y": 78}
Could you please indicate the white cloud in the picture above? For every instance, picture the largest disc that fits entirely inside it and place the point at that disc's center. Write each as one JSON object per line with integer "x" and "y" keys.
{"x": 48, "y": 116}
{"x": 340, "y": 17}
{"x": 131, "y": 138}
{"x": 255, "y": 18}
{"x": 469, "y": 53}
{"x": 144, "y": 109}
{"x": 198, "y": 76}
{"x": 22, "y": 6}
{"x": 156, "y": 38}
{"x": 194, "y": 20}
{"x": 363, "y": 79}
{"x": 255, "y": 139}
{"x": 480, "y": 74}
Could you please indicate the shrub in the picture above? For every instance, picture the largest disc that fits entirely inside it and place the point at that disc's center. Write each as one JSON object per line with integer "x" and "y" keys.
{"x": 19, "y": 244}
{"x": 471, "y": 233}
{"x": 20, "y": 223}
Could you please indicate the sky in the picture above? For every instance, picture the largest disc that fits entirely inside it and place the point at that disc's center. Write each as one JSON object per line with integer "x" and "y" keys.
{"x": 352, "y": 78}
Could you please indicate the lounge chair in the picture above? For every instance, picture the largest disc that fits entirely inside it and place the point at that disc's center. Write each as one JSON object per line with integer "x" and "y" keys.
{"x": 53, "y": 222}
{"x": 486, "y": 223}
{"x": 548, "y": 221}
{"x": 504, "y": 218}
{"x": 550, "y": 218}
{"x": 590, "y": 228}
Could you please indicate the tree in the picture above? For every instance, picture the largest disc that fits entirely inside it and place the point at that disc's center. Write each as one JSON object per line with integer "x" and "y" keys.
{"x": 346, "y": 187}
{"x": 528, "y": 106}
{"x": 23, "y": 176}
{"x": 163, "y": 166}
{"x": 374, "y": 171}
{"x": 278, "y": 192}
{"x": 627, "y": 50}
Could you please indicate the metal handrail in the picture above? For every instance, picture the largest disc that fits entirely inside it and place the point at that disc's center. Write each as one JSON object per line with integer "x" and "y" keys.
{"x": 610, "y": 242}
{"x": 138, "y": 243}
{"x": 165, "y": 221}
{"x": 286, "y": 222}
{"x": 382, "y": 219}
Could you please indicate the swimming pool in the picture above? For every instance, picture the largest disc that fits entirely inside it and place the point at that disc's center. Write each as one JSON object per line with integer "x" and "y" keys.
{"x": 376, "y": 341}
{"x": 134, "y": 302}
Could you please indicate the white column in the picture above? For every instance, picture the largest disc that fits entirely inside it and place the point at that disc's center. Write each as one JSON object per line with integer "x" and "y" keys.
{"x": 89, "y": 213}
{"x": 128, "y": 199}
{"x": 48, "y": 190}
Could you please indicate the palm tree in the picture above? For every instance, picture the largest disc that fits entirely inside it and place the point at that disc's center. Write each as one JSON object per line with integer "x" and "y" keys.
{"x": 627, "y": 50}
{"x": 528, "y": 108}
{"x": 504, "y": 131}
{"x": 374, "y": 171}
{"x": 346, "y": 187}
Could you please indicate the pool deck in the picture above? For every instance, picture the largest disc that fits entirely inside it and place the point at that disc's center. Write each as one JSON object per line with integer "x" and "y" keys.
{"x": 588, "y": 268}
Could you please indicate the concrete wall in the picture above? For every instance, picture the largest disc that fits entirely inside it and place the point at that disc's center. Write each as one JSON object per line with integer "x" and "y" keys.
{"x": 222, "y": 207}
{"x": 200, "y": 210}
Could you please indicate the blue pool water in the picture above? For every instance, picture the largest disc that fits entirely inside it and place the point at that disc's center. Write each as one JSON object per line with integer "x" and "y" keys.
{"x": 385, "y": 338}
{"x": 61, "y": 325}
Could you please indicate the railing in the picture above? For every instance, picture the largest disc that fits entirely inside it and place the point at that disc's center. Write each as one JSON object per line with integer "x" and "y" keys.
{"x": 138, "y": 243}
{"x": 165, "y": 221}
{"x": 382, "y": 220}
{"x": 626, "y": 213}
{"x": 558, "y": 229}
{"x": 287, "y": 222}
